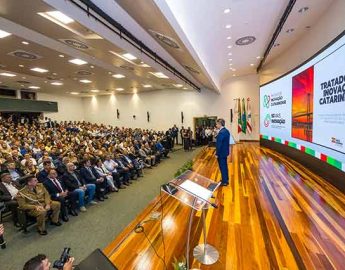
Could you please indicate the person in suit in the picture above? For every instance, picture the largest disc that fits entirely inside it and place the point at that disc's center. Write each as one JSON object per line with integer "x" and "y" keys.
{"x": 16, "y": 174}
{"x": 58, "y": 192}
{"x": 175, "y": 133}
{"x": 35, "y": 198}
{"x": 8, "y": 193}
{"x": 222, "y": 150}
{"x": 42, "y": 175}
{"x": 90, "y": 176}
{"x": 77, "y": 185}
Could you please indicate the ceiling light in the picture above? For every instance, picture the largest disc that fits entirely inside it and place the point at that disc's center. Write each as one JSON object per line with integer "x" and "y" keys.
{"x": 61, "y": 55}
{"x": 118, "y": 76}
{"x": 40, "y": 70}
{"x": 184, "y": 88}
{"x": 229, "y": 47}
{"x": 159, "y": 75}
{"x": 4, "y": 34}
{"x": 234, "y": 69}
{"x": 142, "y": 64}
{"x": 74, "y": 93}
{"x": 230, "y": 59}
{"x": 21, "y": 66}
{"x": 56, "y": 83}
{"x": 119, "y": 89}
{"x": 54, "y": 73}
{"x": 6, "y": 74}
{"x": 227, "y": 10}
{"x": 85, "y": 81}
{"x": 25, "y": 43}
{"x": 234, "y": 75}
{"x": 228, "y": 26}
{"x": 178, "y": 85}
{"x": 252, "y": 64}
{"x": 91, "y": 66}
{"x": 258, "y": 57}
{"x": 34, "y": 87}
{"x": 129, "y": 56}
{"x": 77, "y": 61}
{"x": 56, "y": 16}
{"x": 147, "y": 85}
{"x": 94, "y": 91}
{"x": 230, "y": 64}
{"x": 230, "y": 53}
{"x": 228, "y": 38}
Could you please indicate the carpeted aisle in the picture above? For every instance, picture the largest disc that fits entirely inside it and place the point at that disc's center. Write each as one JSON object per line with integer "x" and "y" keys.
{"x": 95, "y": 228}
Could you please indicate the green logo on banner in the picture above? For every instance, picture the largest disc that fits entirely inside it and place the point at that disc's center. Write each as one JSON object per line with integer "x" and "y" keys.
{"x": 267, "y": 120}
{"x": 267, "y": 100}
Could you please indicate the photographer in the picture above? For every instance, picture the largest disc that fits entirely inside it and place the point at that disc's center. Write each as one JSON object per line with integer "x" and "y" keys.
{"x": 41, "y": 262}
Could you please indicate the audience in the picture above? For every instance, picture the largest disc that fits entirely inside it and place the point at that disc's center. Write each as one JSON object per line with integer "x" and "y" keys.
{"x": 57, "y": 169}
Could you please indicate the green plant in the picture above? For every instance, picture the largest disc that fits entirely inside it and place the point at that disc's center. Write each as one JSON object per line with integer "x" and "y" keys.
{"x": 180, "y": 265}
{"x": 187, "y": 166}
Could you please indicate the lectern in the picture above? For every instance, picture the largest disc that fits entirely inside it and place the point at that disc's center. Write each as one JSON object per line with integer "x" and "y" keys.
{"x": 195, "y": 191}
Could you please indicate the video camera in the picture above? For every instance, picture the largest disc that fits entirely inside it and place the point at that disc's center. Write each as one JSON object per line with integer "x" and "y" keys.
{"x": 59, "y": 264}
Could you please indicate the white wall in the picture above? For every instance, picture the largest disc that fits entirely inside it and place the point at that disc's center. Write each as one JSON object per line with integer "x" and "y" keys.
{"x": 329, "y": 26}
{"x": 165, "y": 106}
{"x": 70, "y": 108}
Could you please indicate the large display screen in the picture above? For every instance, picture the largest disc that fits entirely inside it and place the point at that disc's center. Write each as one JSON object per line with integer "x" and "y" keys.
{"x": 305, "y": 109}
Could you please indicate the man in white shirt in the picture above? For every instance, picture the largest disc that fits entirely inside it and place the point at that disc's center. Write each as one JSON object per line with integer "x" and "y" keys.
{"x": 8, "y": 193}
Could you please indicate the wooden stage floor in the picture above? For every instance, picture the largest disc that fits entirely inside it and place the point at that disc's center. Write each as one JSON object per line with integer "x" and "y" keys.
{"x": 275, "y": 214}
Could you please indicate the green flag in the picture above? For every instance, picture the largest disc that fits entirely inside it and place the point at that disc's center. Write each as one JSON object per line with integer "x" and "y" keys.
{"x": 244, "y": 116}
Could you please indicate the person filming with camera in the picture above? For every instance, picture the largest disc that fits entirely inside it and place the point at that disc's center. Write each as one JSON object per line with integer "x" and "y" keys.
{"x": 41, "y": 262}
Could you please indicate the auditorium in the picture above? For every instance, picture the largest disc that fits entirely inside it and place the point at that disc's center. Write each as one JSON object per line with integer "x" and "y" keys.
{"x": 172, "y": 134}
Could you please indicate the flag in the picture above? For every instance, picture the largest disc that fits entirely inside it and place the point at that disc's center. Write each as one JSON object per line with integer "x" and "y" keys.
{"x": 244, "y": 117}
{"x": 249, "y": 117}
{"x": 239, "y": 120}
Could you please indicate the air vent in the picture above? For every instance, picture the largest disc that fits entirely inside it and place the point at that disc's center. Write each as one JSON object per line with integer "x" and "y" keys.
{"x": 25, "y": 55}
{"x": 23, "y": 82}
{"x": 165, "y": 39}
{"x": 192, "y": 69}
{"x": 75, "y": 44}
{"x": 245, "y": 40}
{"x": 84, "y": 73}
{"x": 127, "y": 67}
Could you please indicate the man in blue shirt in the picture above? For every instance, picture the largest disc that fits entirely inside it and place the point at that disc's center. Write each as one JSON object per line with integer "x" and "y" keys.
{"x": 222, "y": 150}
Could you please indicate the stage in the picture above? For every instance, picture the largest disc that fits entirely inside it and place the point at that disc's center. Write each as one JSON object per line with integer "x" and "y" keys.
{"x": 275, "y": 214}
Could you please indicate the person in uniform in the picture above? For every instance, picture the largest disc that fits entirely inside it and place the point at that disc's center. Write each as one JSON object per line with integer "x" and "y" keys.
{"x": 35, "y": 198}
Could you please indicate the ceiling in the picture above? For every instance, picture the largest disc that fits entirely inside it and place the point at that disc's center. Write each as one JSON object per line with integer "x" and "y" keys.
{"x": 206, "y": 43}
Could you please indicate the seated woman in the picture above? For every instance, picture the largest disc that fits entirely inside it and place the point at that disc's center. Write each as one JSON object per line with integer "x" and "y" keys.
{"x": 30, "y": 168}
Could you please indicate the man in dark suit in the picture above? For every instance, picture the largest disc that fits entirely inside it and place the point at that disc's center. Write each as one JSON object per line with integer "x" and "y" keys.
{"x": 59, "y": 193}
{"x": 8, "y": 193}
{"x": 77, "y": 185}
{"x": 90, "y": 176}
{"x": 222, "y": 150}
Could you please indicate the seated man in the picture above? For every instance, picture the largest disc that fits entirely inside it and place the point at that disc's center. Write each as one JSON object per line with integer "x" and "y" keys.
{"x": 8, "y": 193}
{"x": 77, "y": 185}
{"x": 43, "y": 174}
{"x": 90, "y": 176}
{"x": 59, "y": 193}
{"x": 123, "y": 170}
{"x": 36, "y": 199}
{"x": 16, "y": 174}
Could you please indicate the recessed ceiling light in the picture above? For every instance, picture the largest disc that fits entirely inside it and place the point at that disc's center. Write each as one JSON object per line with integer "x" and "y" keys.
{"x": 74, "y": 93}
{"x": 227, "y": 10}
{"x": 21, "y": 66}
{"x": 25, "y": 43}
{"x": 178, "y": 85}
{"x": 184, "y": 88}
{"x": 147, "y": 85}
{"x": 129, "y": 56}
{"x": 228, "y": 26}
{"x": 91, "y": 66}
{"x": 40, "y": 70}
{"x": 119, "y": 89}
{"x": 142, "y": 64}
{"x": 159, "y": 75}
{"x": 228, "y": 38}
{"x": 34, "y": 87}
{"x": 118, "y": 76}
{"x": 56, "y": 83}
{"x": 54, "y": 73}
{"x": 61, "y": 55}
{"x": 56, "y": 16}
{"x": 85, "y": 81}
{"x": 229, "y": 53}
{"x": 77, "y": 61}
{"x": 230, "y": 64}
{"x": 230, "y": 59}
{"x": 234, "y": 75}
{"x": 109, "y": 73}
{"x": 258, "y": 57}
{"x": 229, "y": 47}
{"x": 252, "y": 64}
{"x": 234, "y": 69}
{"x": 4, "y": 34}
{"x": 94, "y": 91}
{"x": 6, "y": 74}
